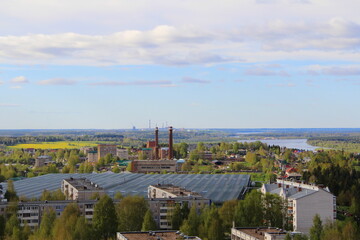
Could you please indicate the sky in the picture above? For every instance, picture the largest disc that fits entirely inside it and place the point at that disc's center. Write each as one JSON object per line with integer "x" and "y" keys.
{"x": 114, "y": 64}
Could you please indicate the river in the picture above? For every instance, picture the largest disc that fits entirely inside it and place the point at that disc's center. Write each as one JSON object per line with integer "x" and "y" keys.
{"x": 288, "y": 143}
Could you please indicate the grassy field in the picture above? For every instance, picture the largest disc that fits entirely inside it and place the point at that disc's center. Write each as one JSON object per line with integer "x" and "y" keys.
{"x": 56, "y": 145}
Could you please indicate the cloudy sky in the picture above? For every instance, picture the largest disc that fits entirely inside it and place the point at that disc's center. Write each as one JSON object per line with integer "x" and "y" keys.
{"x": 191, "y": 63}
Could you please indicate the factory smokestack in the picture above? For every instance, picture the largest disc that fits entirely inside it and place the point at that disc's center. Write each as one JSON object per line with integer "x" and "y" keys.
{"x": 170, "y": 143}
{"x": 156, "y": 143}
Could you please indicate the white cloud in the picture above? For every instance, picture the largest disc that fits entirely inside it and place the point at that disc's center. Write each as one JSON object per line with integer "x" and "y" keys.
{"x": 19, "y": 79}
{"x": 16, "y": 87}
{"x": 334, "y": 70}
{"x": 194, "y": 80}
{"x": 336, "y": 39}
{"x": 57, "y": 81}
{"x": 161, "y": 83}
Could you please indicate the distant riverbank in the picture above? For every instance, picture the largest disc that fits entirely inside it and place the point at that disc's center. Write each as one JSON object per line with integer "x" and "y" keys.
{"x": 288, "y": 143}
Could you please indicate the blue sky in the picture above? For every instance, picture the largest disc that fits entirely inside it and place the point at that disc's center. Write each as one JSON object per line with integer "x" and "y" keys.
{"x": 193, "y": 64}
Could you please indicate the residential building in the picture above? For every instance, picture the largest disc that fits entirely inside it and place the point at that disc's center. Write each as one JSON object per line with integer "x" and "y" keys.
{"x": 92, "y": 156}
{"x": 30, "y": 213}
{"x": 156, "y": 166}
{"x": 122, "y": 153}
{"x": 304, "y": 202}
{"x": 104, "y": 149}
{"x": 80, "y": 189}
{"x": 43, "y": 161}
{"x": 86, "y": 150}
{"x": 154, "y": 235}
{"x": 258, "y": 233}
{"x": 163, "y": 198}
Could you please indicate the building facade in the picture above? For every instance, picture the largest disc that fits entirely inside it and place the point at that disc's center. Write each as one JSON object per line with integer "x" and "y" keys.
{"x": 80, "y": 189}
{"x": 164, "y": 198}
{"x": 156, "y": 166}
{"x": 258, "y": 233}
{"x": 304, "y": 202}
{"x": 104, "y": 149}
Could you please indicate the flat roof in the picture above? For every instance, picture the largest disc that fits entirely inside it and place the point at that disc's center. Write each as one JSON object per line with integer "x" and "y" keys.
{"x": 259, "y": 232}
{"x": 83, "y": 184}
{"x": 176, "y": 190}
{"x": 216, "y": 187}
{"x": 154, "y": 235}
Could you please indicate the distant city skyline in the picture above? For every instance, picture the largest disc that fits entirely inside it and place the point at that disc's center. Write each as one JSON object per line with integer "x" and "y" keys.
{"x": 115, "y": 64}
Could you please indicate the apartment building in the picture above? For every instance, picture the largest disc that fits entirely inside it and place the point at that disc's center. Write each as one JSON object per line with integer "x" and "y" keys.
{"x": 104, "y": 149}
{"x": 30, "y": 213}
{"x": 258, "y": 233}
{"x": 154, "y": 235}
{"x": 43, "y": 161}
{"x": 80, "y": 189}
{"x": 122, "y": 153}
{"x": 163, "y": 198}
{"x": 304, "y": 202}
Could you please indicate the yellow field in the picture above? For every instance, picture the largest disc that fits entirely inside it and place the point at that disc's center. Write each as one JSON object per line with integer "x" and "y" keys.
{"x": 55, "y": 145}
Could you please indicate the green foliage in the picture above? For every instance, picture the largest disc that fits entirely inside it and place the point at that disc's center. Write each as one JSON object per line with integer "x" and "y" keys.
{"x": 105, "y": 219}
{"x": 56, "y": 195}
{"x": 131, "y": 211}
{"x": 316, "y": 229}
{"x": 251, "y": 158}
{"x": 176, "y": 217}
{"x": 149, "y": 222}
{"x": 10, "y": 194}
{"x": 118, "y": 196}
{"x": 69, "y": 225}
{"x": 47, "y": 222}
{"x": 227, "y": 213}
{"x": 191, "y": 224}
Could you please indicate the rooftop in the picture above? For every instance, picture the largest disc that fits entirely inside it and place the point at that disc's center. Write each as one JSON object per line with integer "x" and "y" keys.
{"x": 155, "y": 235}
{"x": 82, "y": 184}
{"x": 216, "y": 187}
{"x": 176, "y": 190}
{"x": 259, "y": 232}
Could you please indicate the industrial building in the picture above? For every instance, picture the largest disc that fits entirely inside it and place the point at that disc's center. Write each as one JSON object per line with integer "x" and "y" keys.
{"x": 304, "y": 202}
{"x": 216, "y": 187}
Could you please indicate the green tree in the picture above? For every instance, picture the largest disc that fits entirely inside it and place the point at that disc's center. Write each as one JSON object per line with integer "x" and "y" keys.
{"x": 227, "y": 213}
{"x": 131, "y": 211}
{"x": 10, "y": 194}
{"x": 104, "y": 219}
{"x": 249, "y": 212}
{"x": 316, "y": 229}
{"x": 215, "y": 230}
{"x": 149, "y": 222}
{"x": 65, "y": 225}
{"x": 191, "y": 225}
{"x": 176, "y": 217}
{"x": 47, "y": 222}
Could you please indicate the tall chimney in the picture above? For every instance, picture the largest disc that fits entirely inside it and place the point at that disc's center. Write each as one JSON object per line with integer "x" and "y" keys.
{"x": 170, "y": 143}
{"x": 156, "y": 143}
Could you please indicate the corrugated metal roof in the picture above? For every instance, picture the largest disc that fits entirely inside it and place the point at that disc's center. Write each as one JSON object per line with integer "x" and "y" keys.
{"x": 217, "y": 187}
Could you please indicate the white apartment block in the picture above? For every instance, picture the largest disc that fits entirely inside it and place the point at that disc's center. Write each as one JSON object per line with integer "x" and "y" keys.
{"x": 80, "y": 189}
{"x": 163, "y": 198}
{"x": 304, "y": 202}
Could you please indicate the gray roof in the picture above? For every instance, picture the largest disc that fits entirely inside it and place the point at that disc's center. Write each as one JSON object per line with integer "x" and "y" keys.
{"x": 217, "y": 187}
{"x": 303, "y": 193}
